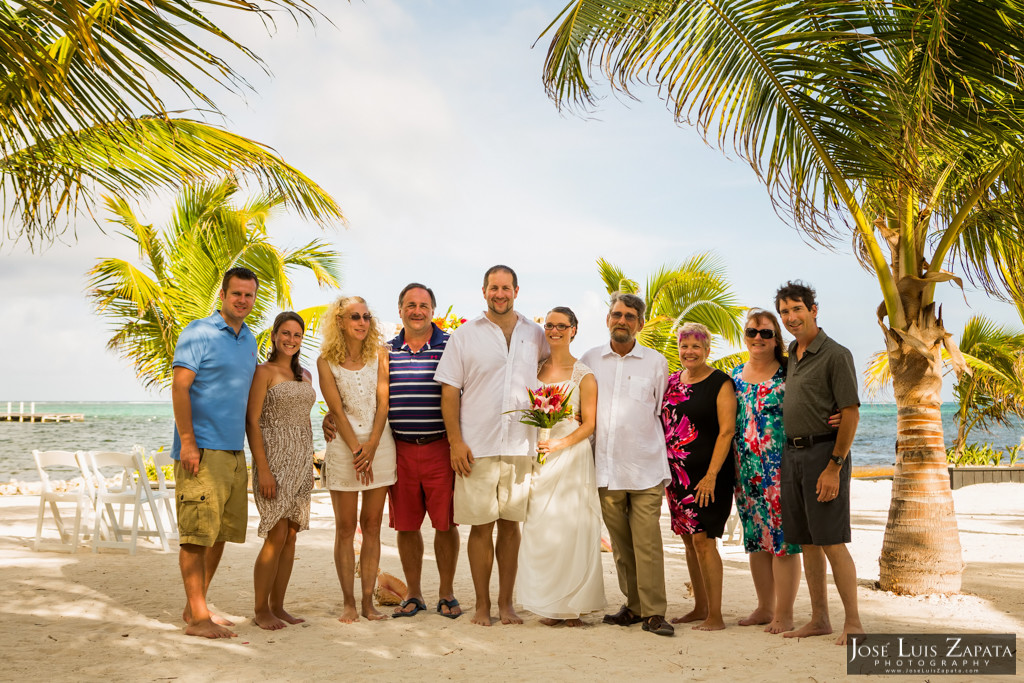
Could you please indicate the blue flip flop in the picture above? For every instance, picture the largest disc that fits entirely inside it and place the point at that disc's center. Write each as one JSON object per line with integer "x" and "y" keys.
{"x": 420, "y": 606}
{"x": 449, "y": 604}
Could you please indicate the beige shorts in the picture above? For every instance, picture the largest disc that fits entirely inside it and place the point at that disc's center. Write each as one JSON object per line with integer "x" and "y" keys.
{"x": 498, "y": 487}
{"x": 213, "y": 505}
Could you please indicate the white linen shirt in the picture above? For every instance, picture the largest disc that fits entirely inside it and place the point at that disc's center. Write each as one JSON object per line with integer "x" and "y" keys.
{"x": 493, "y": 378}
{"x": 629, "y": 452}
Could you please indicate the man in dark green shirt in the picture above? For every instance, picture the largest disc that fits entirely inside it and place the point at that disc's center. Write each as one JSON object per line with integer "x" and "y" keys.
{"x": 820, "y": 380}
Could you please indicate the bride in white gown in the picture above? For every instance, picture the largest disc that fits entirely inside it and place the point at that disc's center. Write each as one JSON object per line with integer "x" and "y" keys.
{"x": 560, "y": 575}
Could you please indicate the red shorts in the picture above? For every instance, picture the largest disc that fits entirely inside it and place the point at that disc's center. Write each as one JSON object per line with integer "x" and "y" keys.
{"x": 426, "y": 482}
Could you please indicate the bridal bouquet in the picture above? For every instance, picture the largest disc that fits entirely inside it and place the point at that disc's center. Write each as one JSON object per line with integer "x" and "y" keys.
{"x": 549, "y": 405}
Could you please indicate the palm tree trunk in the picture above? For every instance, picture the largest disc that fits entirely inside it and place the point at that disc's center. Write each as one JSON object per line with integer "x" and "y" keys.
{"x": 921, "y": 549}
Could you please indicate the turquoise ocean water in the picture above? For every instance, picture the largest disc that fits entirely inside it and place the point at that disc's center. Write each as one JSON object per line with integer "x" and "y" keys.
{"x": 119, "y": 426}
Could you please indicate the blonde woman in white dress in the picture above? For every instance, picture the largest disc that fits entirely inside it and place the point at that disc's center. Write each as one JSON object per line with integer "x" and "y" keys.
{"x": 560, "y": 573}
{"x": 353, "y": 370}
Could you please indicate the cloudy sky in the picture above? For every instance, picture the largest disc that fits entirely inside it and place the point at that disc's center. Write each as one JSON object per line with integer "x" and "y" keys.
{"x": 429, "y": 124}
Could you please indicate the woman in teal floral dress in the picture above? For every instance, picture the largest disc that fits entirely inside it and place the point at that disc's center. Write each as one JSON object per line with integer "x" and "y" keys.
{"x": 760, "y": 384}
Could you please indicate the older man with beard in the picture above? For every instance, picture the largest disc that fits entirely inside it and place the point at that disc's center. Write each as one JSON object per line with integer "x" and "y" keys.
{"x": 632, "y": 462}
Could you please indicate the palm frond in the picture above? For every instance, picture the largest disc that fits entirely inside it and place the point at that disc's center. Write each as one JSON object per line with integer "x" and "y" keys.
{"x": 133, "y": 157}
{"x": 208, "y": 235}
{"x": 83, "y": 112}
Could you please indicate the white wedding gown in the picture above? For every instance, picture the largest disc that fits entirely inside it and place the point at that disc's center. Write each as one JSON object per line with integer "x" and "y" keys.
{"x": 560, "y": 572}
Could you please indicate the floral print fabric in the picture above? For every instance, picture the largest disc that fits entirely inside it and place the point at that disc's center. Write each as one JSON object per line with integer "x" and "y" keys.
{"x": 759, "y": 440}
{"x": 689, "y": 415}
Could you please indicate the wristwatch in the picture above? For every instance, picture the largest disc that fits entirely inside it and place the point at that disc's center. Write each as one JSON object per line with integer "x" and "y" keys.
{"x": 837, "y": 459}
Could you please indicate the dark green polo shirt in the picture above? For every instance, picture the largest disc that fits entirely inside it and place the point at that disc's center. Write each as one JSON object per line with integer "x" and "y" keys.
{"x": 817, "y": 385}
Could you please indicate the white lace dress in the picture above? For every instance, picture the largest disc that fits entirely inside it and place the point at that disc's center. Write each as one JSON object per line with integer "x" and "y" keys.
{"x": 358, "y": 389}
{"x": 560, "y": 573}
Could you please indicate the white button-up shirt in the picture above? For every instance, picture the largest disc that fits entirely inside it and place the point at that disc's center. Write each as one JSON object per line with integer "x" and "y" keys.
{"x": 629, "y": 441}
{"x": 493, "y": 378}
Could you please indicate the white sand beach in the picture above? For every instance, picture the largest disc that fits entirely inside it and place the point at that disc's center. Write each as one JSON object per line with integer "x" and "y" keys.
{"x": 111, "y": 616}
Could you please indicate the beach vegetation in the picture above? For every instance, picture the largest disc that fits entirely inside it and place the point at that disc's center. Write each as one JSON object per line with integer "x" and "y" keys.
{"x": 178, "y": 276}
{"x": 991, "y": 393}
{"x": 168, "y": 470}
{"x": 984, "y": 454}
{"x": 115, "y": 98}
{"x": 897, "y": 128}
{"x": 696, "y": 290}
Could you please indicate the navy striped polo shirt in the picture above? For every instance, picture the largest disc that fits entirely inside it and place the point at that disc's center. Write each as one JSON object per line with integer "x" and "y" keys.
{"x": 414, "y": 408}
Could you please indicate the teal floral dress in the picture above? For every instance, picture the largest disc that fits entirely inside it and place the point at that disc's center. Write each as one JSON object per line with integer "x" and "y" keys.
{"x": 759, "y": 441}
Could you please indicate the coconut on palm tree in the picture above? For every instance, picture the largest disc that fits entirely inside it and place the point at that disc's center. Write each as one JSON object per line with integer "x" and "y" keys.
{"x": 84, "y": 90}
{"x": 696, "y": 290}
{"x": 897, "y": 126}
{"x": 148, "y": 304}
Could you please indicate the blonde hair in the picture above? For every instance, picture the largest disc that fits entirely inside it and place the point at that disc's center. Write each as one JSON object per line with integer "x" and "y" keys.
{"x": 697, "y": 331}
{"x": 335, "y": 346}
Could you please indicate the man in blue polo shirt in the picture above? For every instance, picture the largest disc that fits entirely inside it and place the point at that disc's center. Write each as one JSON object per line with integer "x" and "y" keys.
{"x": 214, "y": 361}
{"x": 425, "y": 476}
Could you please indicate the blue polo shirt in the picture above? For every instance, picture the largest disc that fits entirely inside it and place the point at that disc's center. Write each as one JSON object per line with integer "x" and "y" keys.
{"x": 414, "y": 409}
{"x": 224, "y": 364}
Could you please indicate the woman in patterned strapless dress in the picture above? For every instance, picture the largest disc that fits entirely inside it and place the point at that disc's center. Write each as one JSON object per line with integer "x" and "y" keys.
{"x": 281, "y": 441}
{"x": 353, "y": 369}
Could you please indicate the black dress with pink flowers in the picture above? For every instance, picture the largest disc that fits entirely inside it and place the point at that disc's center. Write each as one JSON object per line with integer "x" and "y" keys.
{"x": 689, "y": 413}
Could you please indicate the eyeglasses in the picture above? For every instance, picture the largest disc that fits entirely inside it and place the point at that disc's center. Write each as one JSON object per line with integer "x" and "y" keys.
{"x": 619, "y": 315}
{"x": 355, "y": 317}
{"x": 765, "y": 334}
{"x": 561, "y": 327}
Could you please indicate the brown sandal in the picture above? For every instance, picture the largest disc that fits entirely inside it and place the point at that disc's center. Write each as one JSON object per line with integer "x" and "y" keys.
{"x": 624, "y": 617}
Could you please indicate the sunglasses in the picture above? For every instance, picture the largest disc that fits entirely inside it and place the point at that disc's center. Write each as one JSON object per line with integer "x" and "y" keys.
{"x": 619, "y": 315}
{"x": 354, "y": 317}
{"x": 765, "y": 334}
{"x": 561, "y": 327}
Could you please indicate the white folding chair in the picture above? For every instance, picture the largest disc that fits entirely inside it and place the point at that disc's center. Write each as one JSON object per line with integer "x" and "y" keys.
{"x": 128, "y": 488}
{"x": 162, "y": 496}
{"x": 48, "y": 495}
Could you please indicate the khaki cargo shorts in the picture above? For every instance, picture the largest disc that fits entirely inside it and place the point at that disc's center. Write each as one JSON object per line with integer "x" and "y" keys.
{"x": 213, "y": 505}
{"x": 498, "y": 487}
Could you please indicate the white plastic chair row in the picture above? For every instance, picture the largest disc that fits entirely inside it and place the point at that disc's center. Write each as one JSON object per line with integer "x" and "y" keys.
{"x": 97, "y": 497}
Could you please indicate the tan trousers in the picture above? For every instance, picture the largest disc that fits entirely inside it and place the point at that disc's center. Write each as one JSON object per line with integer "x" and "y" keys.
{"x": 633, "y": 519}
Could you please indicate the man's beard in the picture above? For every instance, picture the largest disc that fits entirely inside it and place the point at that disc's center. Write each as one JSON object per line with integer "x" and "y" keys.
{"x": 621, "y": 336}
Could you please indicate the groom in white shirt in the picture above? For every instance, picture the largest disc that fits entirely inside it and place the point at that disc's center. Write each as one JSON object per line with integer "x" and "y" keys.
{"x": 632, "y": 462}
{"x": 484, "y": 373}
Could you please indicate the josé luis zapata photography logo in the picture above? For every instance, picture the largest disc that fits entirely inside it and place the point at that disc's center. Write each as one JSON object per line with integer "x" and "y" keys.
{"x": 965, "y": 654}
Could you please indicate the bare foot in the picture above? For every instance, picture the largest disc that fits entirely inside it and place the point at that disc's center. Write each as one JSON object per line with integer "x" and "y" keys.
{"x": 372, "y": 613}
{"x": 811, "y": 628}
{"x": 757, "y": 617}
{"x": 850, "y": 630}
{"x": 551, "y": 622}
{"x": 268, "y": 622}
{"x": 710, "y": 624}
{"x": 778, "y": 625}
{"x": 482, "y": 616}
{"x": 509, "y": 616}
{"x": 186, "y": 616}
{"x": 690, "y": 616}
{"x": 349, "y": 615}
{"x": 284, "y": 616}
{"x": 574, "y": 623}
{"x": 208, "y": 629}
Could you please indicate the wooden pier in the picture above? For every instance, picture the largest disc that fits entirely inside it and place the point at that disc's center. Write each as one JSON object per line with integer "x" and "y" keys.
{"x": 33, "y": 416}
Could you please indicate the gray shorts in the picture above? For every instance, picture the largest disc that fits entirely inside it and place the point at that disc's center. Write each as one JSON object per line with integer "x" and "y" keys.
{"x": 804, "y": 519}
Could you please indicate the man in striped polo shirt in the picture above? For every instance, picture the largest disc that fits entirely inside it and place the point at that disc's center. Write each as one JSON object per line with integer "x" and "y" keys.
{"x": 425, "y": 476}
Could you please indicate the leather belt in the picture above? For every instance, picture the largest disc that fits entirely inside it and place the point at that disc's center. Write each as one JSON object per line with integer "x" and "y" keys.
{"x": 420, "y": 440}
{"x": 808, "y": 441}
